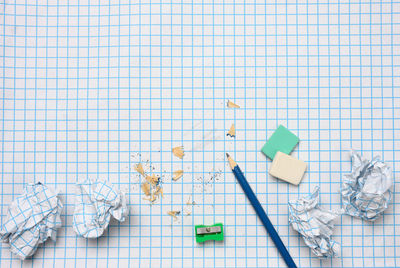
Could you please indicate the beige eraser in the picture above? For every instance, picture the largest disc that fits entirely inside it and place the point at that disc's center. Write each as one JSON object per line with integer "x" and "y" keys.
{"x": 287, "y": 168}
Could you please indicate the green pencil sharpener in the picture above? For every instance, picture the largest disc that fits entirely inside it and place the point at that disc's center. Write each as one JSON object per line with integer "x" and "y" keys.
{"x": 209, "y": 232}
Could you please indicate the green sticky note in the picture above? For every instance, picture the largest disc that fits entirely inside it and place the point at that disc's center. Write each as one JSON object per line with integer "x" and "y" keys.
{"x": 281, "y": 140}
{"x": 209, "y": 232}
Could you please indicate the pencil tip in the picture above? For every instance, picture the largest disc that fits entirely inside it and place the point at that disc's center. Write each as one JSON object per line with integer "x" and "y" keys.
{"x": 227, "y": 155}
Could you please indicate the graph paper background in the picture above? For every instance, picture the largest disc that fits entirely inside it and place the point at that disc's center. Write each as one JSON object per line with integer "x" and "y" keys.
{"x": 90, "y": 88}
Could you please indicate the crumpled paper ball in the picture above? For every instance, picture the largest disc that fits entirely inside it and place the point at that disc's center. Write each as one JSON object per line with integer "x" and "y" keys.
{"x": 315, "y": 224}
{"x": 366, "y": 190}
{"x": 96, "y": 201}
{"x": 32, "y": 217}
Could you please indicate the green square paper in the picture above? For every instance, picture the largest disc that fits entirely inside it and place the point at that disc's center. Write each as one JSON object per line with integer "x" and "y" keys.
{"x": 281, "y": 140}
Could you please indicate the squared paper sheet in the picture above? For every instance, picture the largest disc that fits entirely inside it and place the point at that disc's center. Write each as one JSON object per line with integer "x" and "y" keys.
{"x": 91, "y": 88}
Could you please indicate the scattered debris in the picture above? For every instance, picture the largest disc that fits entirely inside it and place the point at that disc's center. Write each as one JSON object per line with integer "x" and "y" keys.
{"x": 232, "y": 105}
{"x": 178, "y": 152}
{"x": 174, "y": 214}
{"x": 206, "y": 184}
{"x": 190, "y": 203}
{"x": 177, "y": 175}
{"x": 158, "y": 191}
{"x": 139, "y": 168}
{"x": 153, "y": 179}
{"x": 150, "y": 199}
{"x": 152, "y": 188}
{"x": 187, "y": 209}
{"x": 213, "y": 176}
{"x": 146, "y": 188}
{"x": 232, "y": 131}
{"x": 151, "y": 185}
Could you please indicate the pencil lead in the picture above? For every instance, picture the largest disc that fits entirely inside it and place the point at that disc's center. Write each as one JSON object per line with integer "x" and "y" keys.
{"x": 227, "y": 155}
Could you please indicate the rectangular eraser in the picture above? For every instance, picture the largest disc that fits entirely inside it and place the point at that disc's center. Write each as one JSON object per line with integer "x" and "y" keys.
{"x": 287, "y": 168}
{"x": 282, "y": 140}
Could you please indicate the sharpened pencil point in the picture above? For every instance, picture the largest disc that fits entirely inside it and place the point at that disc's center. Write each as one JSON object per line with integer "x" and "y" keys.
{"x": 232, "y": 162}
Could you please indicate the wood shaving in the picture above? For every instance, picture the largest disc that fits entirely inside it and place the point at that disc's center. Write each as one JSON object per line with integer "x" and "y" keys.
{"x": 151, "y": 199}
{"x": 232, "y": 105}
{"x": 153, "y": 180}
{"x": 232, "y": 131}
{"x": 146, "y": 188}
{"x": 178, "y": 152}
{"x": 174, "y": 214}
{"x": 177, "y": 175}
{"x": 158, "y": 191}
{"x": 151, "y": 184}
{"x": 190, "y": 202}
{"x": 139, "y": 168}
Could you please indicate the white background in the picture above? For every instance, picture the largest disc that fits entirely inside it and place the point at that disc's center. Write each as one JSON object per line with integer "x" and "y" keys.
{"x": 90, "y": 89}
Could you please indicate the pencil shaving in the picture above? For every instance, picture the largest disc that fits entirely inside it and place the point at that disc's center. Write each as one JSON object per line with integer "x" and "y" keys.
{"x": 174, "y": 214}
{"x": 146, "y": 188}
{"x": 158, "y": 191}
{"x": 150, "y": 199}
{"x": 232, "y": 131}
{"x": 153, "y": 179}
{"x": 177, "y": 175}
{"x": 190, "y": 202}
{"x": 178, "y": 152}
{"x": 139, "y": 169}
{"x": 151, "y": 184}
{"x": 232, "y": 105}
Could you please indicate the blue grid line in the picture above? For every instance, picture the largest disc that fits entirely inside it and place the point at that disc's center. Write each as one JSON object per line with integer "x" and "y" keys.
{"x": 74, "y": 76}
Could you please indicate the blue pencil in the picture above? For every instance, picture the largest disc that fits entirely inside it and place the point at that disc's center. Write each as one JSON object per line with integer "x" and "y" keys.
{"x": 260, "y": 212}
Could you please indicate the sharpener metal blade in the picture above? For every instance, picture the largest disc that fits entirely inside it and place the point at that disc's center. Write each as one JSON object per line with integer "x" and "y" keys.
{"x": 209, "y": 230}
